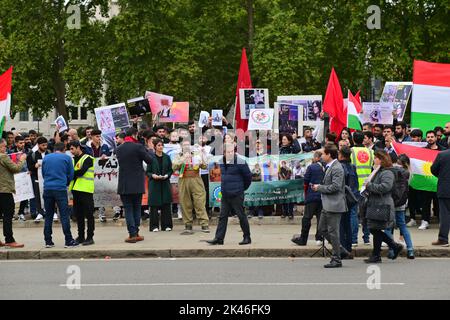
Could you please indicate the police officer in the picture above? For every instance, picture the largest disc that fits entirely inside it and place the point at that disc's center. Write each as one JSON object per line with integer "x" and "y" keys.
{"x": 82, "y": 187}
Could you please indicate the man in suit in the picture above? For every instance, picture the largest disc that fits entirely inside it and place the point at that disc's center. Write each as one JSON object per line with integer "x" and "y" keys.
{"x": 130, "y": 155}
{"x": 441, "y": 169}
{"x": 333, "y": 204}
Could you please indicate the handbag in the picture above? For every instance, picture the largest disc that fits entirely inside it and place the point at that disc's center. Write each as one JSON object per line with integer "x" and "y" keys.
{"x": 350, "y": 197}
{"x": 378, "y": 212}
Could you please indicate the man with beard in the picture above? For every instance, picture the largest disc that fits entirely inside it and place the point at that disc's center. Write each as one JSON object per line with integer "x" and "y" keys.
{"x": 378, "y": 132}
{"x": 400, "y": 132}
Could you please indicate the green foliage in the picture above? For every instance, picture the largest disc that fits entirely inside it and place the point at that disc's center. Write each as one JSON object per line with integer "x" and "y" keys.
{"x": 191, "y": 49}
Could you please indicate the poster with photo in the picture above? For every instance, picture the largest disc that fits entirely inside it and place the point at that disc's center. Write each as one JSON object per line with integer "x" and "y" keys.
{"x": 61, "y": 123}
{"x": 160, "y": 104}
{"x": 261, "y": 119}
{"x": 396, "y": 95}
{"x": 312, "y": 105}
{"x": 287, "y": 117}
{"x": 138, "y": 106}
{"x": 177, "y": 112}
{"x": 253, "y": 99}
{"x": 112, "y": 119}
{"x": 217, "y": 116}
{"x": 203, "y": 119}
{"x": 377, "y": 112}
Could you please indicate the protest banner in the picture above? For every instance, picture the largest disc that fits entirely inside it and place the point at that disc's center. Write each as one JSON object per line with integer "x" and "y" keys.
{"x": 159, "y": 103}
{"x": 261, "y": 119}
{"x": 178, "y": 112}
{"x": 252, "y": 99}
{"x": 23, "y": 186}
{"x": 106, "y": 175}
{"x": 172, "y": 150}
{"x": 377, "y": 112}
{"x": 280, "y": 179}
{"x": 312, "y": 105}
{"x": 396, "y": 96}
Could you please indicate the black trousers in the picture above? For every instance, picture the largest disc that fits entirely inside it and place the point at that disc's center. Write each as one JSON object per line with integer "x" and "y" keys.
{"x": 166, "y": 217}
{"x": 444, "y": 223}
{"x": 311, "y": 209}
{"x": 229, "y": 205}
{"x": 37, "y": 197}
{"x": 205, "y": 178}
{"x": 83, "y": 208}
{"x": 378, "y": 238}
{"x": 414, "y": 203}
{"x": 427, "y": 198}
{"x": 7, "y": 208}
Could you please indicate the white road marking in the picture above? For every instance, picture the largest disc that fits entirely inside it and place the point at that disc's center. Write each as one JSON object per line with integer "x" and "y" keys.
{"x": 231, "y": 284}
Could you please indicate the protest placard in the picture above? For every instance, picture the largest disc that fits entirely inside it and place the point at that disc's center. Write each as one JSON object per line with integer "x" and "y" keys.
{"x": 61, "y": 123}
{"x": 217, "y": 117}
{"x": 159, "y": 103}
{"x": 106, "y": 175}
{"x": 203, "y": 119}
{"x": 178, "y": 112}
{"x": 23, "y": 186}
{"x": 261, "y": 119}
{"x": 396, "y": 95}
{"x": 377, "y": 112}
{"x": 253, "y": 99}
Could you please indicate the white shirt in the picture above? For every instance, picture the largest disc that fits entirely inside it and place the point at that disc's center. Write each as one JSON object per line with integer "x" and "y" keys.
{"x": 330, "y": 164}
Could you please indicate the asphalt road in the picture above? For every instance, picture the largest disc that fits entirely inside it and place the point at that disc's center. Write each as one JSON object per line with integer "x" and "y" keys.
{"x": 223, "y": 279}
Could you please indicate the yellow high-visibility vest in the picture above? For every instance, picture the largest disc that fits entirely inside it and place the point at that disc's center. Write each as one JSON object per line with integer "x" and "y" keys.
{"x": 85, "y": 183}
{"x": 362, "y": 158}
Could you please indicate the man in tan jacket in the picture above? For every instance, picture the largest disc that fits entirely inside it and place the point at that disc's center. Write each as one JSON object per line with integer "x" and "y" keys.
{"x": 191, "y": 189}
{"x": 7, "y": 188}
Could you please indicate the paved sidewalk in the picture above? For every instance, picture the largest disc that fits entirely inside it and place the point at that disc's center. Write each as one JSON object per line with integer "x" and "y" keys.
{"x": 270, "y": 239}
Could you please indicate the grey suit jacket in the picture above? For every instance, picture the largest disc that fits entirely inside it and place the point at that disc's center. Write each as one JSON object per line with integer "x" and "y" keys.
{"x": 333, "y": 189}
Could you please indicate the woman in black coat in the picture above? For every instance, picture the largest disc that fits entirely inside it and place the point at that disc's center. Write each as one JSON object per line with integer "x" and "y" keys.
{"x": 379, "y": 189}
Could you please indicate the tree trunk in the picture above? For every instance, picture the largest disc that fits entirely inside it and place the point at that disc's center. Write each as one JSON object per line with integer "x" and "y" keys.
{"x": 58, "y": 82}
{"x": 251, "y": 26}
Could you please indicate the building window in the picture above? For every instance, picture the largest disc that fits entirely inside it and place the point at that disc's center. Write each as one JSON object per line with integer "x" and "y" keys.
{"x": 36, "y": 117}
{"x": 24, "y": 116}
{"x": 73, "y": 113}
{"x": 83, "y": 113}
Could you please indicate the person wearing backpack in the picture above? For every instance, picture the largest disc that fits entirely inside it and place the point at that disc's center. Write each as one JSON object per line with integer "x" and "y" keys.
{"x": 351, "y": 181}
{"x": 380, "y": 210}
{"x": 400, "y": 197}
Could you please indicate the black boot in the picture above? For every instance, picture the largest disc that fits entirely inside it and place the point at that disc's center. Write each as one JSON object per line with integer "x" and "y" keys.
{"x": 215, "y": 242}
{"x": 301, "y": 241}
{"x": 246, "y": 240}
{"x": 334, "y": 263}
{"x": 373, "y": 259}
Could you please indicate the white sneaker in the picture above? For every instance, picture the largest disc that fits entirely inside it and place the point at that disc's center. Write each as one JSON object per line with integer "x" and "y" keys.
{"x": 424, "y": 225}
{"x": 354, "y": 245}
{"x": 55, "y": 217}
{"x": 411, "y": 223}
{"x": 384, "y": 245}
{"x": 318, "y": 243}
{"x": 155, "y": 230}
{"x": 180, "y": 216}
{"x": 367, "y": 243}
{"x": 102, "y": 218}
{"x": 39, "y": 218}
{"x": 168, "y": 229}
{"x": 22, "y": 217}
{"x": 402, "y": 242}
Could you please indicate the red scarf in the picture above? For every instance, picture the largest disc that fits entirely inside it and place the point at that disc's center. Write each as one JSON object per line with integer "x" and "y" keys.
{"x": 130, "y": 139}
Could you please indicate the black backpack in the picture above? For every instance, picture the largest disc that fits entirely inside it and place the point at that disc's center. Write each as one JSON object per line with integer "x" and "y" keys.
{"x": 401, "y": 187}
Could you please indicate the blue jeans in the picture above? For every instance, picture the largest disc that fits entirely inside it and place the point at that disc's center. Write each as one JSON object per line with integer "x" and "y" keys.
{"x": 354, "y": 221}
{"x": 132, "y": 204}
{"x": 58, "y": 197}
{"x": 401, "y": 224}
{"x": 345, "y": 231}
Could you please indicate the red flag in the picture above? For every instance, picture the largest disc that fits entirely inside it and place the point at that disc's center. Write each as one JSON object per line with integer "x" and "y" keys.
{"x": 244, "y": 82}
{"x": 5, "y": 97}
{"x": 334, "y": 104}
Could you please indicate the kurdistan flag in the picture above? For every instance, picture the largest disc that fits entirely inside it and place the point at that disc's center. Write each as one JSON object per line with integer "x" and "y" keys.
{"x": 354, "y": 108}
{"x": 5, "y": 97}
{"x": 421, "y": 160}
{"x": 431, "y": 95}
